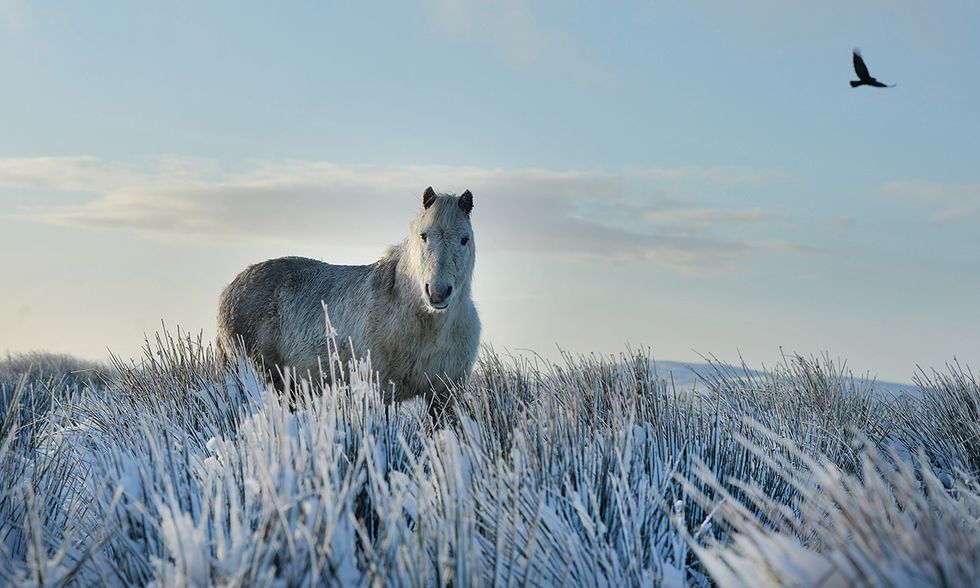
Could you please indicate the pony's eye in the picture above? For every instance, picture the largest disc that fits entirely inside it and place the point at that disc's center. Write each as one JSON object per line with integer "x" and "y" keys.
{"x": 464, "y": 240}
{"x": 424, "y": 236}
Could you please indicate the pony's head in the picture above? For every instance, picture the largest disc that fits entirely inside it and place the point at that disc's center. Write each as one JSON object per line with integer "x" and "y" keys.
{"x": 440, "y": 251}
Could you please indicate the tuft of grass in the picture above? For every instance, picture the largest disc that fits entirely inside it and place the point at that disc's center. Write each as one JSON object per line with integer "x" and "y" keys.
{"x": 892, "y": 523}
{"x": 52, "y": 370}
{"x": 944, "y": 420}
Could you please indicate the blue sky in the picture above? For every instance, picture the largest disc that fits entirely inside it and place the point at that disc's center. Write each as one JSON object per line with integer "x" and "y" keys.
{"x": 693, "y": 177}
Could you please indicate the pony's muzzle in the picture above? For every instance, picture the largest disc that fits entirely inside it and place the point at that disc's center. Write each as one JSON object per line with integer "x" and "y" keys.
{"x": 438, "y": 300}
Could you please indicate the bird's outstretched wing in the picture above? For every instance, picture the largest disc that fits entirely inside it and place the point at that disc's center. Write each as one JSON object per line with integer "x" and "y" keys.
{"x": 860, "y": 68}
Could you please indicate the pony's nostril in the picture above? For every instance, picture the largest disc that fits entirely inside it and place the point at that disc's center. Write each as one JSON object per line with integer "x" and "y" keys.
{"x": 436, "y": 297}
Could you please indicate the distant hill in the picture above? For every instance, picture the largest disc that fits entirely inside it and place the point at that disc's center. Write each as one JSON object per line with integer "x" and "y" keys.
{"x": 688, "y": 375}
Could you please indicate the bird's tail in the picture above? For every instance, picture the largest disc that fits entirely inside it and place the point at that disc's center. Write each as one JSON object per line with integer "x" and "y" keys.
{"x": 856, "y": 83}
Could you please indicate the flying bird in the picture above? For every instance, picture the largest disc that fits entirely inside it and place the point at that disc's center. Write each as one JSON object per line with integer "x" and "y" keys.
{"x": 864, "y": 76}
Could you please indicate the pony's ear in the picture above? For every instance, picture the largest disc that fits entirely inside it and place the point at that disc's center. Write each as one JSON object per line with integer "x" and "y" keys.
{"x": 466, "y": 202}
{"x": 428, "y": 197}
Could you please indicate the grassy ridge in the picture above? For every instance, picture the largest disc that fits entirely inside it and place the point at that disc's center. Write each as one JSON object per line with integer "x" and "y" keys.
{"x": 592, "y": 472}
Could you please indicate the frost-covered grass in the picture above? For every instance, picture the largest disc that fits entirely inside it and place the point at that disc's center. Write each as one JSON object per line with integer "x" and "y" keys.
{"x": 592, "y": 472}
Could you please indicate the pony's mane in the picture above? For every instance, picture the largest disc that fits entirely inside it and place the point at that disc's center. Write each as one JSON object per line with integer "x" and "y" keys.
{"x": 447, "y": 207}
{"x": 392, "y": 253}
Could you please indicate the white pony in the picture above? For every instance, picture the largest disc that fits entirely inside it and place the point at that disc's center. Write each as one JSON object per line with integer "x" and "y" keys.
{"x": 412, "y": 309}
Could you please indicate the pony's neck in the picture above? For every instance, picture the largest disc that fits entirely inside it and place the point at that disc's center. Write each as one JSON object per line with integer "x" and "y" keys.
{"x": 403, "y": 282}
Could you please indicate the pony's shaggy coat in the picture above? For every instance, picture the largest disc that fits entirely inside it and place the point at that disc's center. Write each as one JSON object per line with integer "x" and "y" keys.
{"x": 412, "y": 309}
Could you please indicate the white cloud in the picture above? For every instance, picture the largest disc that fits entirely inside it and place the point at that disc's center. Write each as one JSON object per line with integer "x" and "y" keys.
{"x": 718, "y": 174}
{"x": 943, "y": 202}
{"x": 701, "y": 217}
{"x": 573, "y": 214}
{"x": 82, "y": 174}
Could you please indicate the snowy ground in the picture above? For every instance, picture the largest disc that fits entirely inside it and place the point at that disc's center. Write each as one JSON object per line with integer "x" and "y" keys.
{"x": 593, "y": 472}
